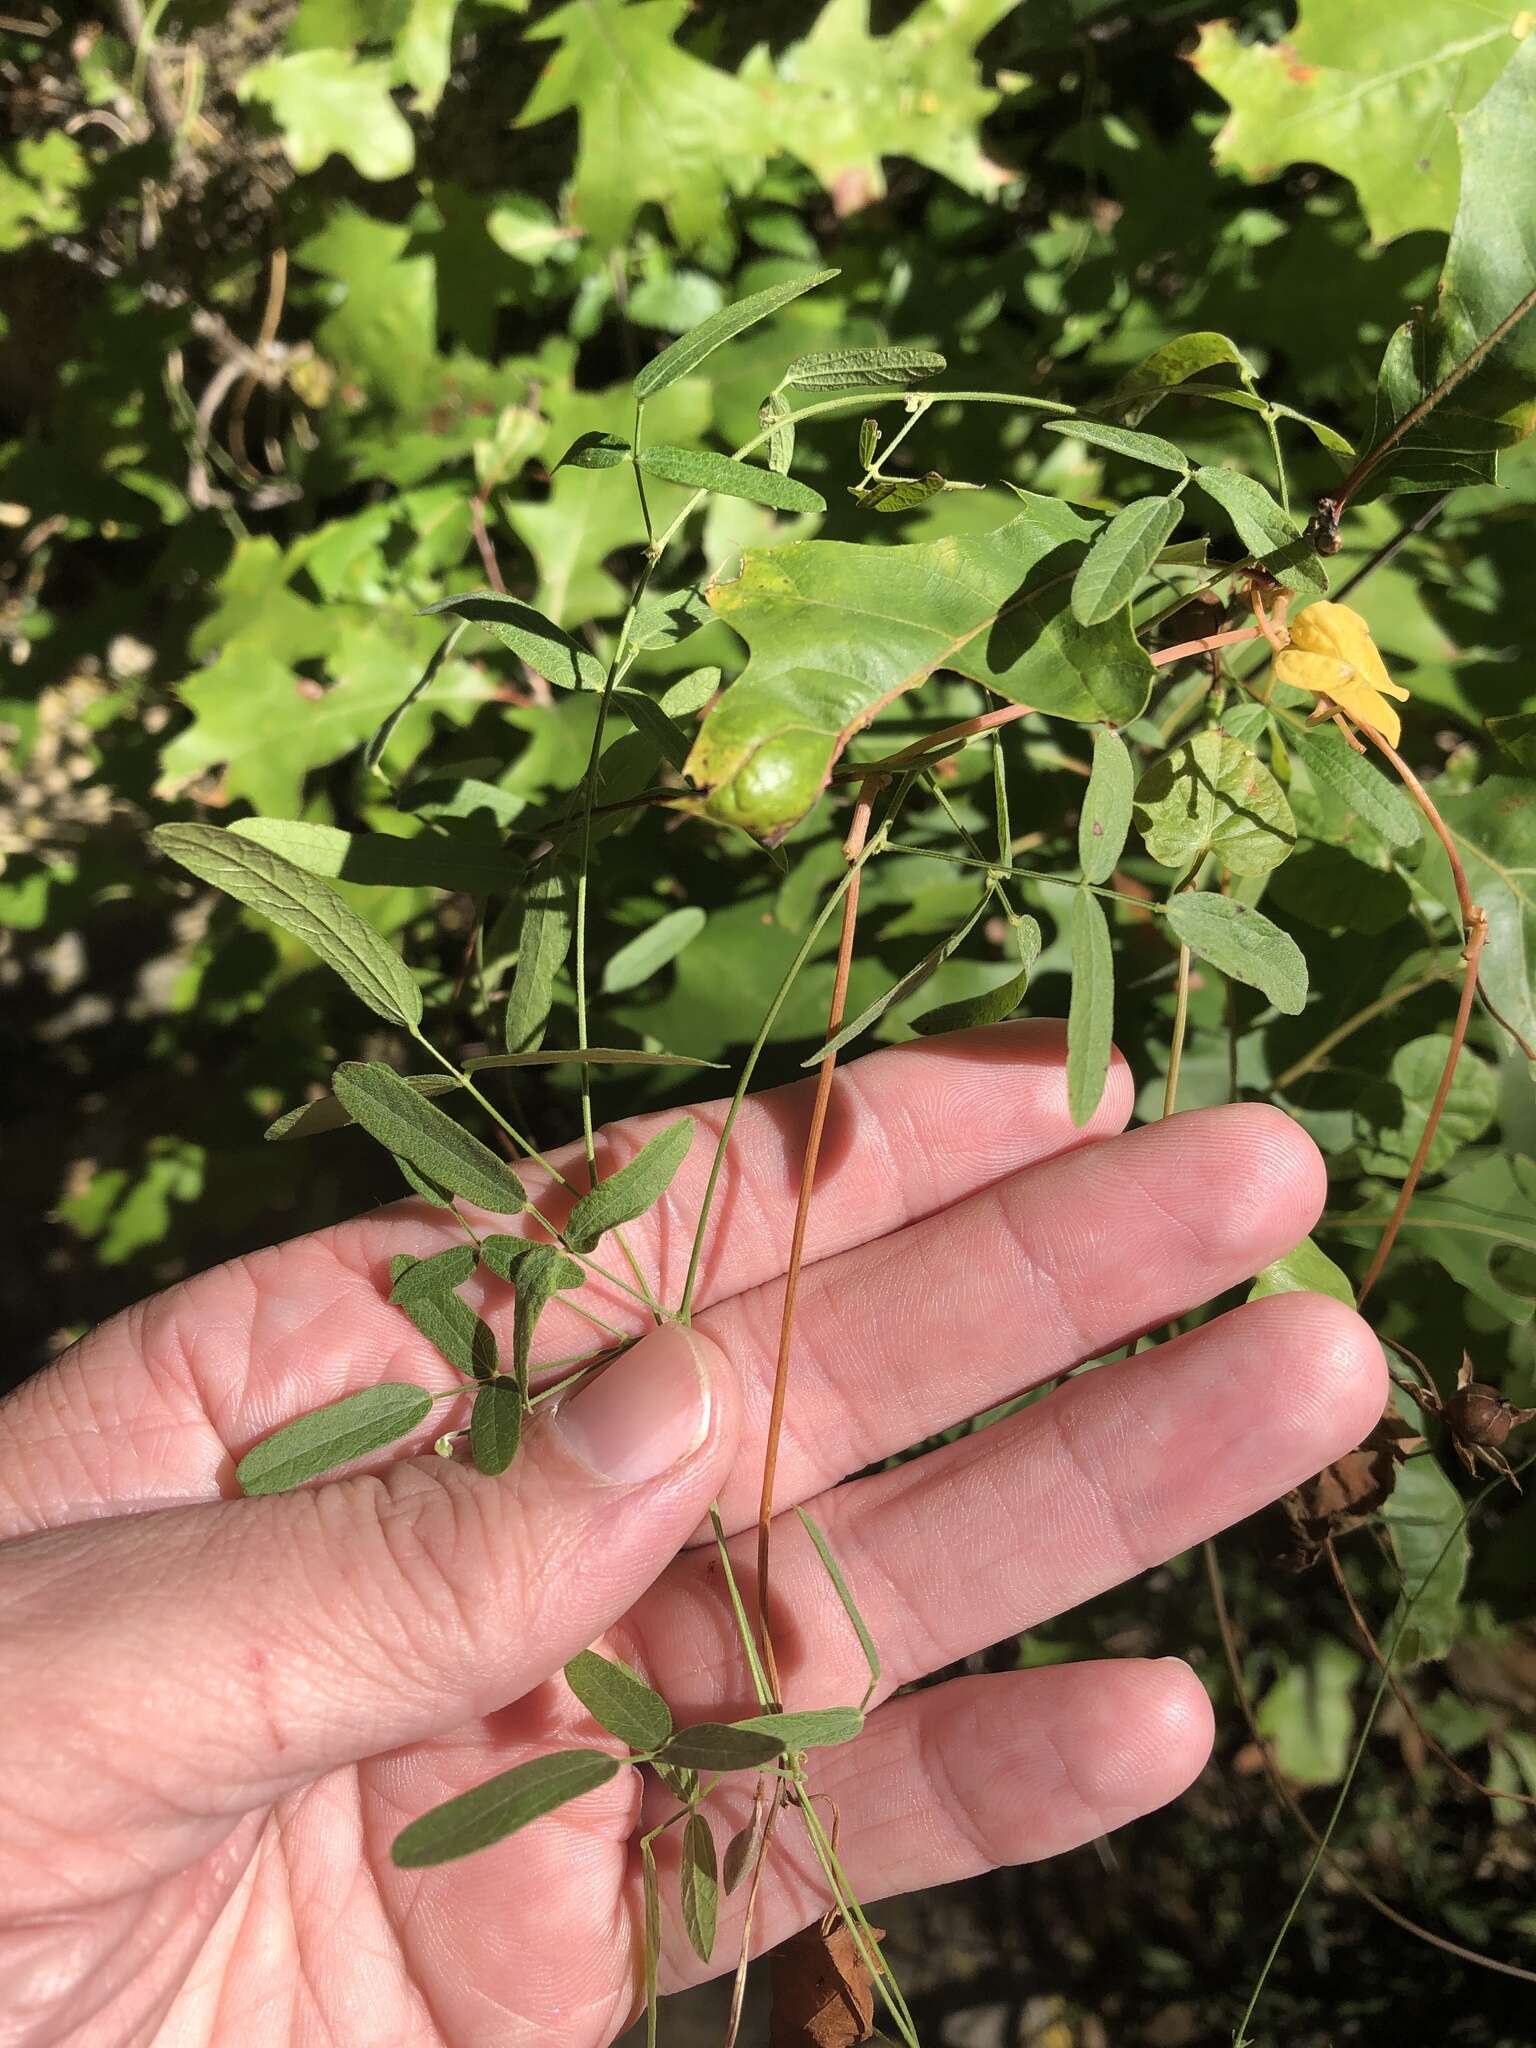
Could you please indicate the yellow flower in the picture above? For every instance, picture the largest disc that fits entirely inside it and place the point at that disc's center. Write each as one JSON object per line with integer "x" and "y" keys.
{"x": 1333, "y": 655}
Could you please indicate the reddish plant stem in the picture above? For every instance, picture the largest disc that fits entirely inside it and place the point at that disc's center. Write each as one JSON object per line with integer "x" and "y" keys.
{"x": 482, "y": 535}
{"x": 853, "y": 846}
{"x": 1474, "y": 921}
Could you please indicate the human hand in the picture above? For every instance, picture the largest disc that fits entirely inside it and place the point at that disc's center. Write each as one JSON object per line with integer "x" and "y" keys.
{"x": 219, "y": 1712}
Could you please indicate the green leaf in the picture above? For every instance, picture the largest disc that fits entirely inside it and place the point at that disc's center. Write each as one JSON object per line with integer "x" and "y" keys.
{"x": 1242, "y": 943}
{"x": 438, "y": 1274}
{"x": 1150, "y": 448}
{"x": 496, "y": 1426}
{"x": 717, "y": 1746}
{"x": 1105, "y": 818}
{"x": 326, "y": 101}
{"x": 652, "y": 949}
{"x": 631, "y": 1191}
{"x": 1480, "y": 1225}
{"x": 647, "y": 717}
{"x": 1121, "y": 554}
{"x": 773, "y": 416}
{"x": 445, "y": 1319}
{"x": 663, "y": 621}
{"x": 1516, "y": 734}
{"x": 1427, "y": 1522}
{"x": 701, "y": 469}
{"x": 1306, "y": 1269}
{"x": 378, "y": 858}
{"x": 1308, "y": 1715}
{"x": 690, "y": 693}
{"x": 652, "y": 1941}
{"x": 501, "y": 1806}
{"x": 1214, "y": 795}
{"x": 1390, "y": 1115}
{"x": 859, "y": 369}
{"x": 816, "y": 1728}
{"x": 592, "y": 1056}
{"x": 428, "y": 1190}
{"x": 686, "y": 353}
{"x": 850, "y": 1608}
{"x": 538, "y": 1272}
{"x": 994, "y": 1004}
{"x": 1091, "y": 1013}
{"x": 332, "y": 1436}
{"x": 700, "y": 1886}
{"x": 900, "y": 494}
{"x": 596, "y": 450}
{"x": 1370, "y": 94}
{"x": 385, "y": 731}
{"x": 837, "y": 632}
{"x": 375, "y": 1096}
{"x": 1494, "y": 827}
{"x": 1269, "y": 534}
{"x": 1160, "y": 373}
{"x": 619, "y": 1700}
{"x": 544, "y": 932}
{"x": 325, "y": 1113}
{"x": 547, "y": 648}
{"x": 1358, "y": 784}
{"x": 304, "y": 906}
{"x": 909, "y": 983}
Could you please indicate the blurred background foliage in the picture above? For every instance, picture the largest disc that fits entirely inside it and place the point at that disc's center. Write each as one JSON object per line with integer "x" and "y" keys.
{"x": 301, "y": 302}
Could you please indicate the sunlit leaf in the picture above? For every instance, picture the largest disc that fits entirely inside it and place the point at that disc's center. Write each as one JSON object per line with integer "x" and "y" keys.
{"x": 443, "y": 1317}
{"x": 1105, "y": 818}
{"x": 1091, "y": 1014}
{"x": 1120, "y": 555}
{"x": 546, "y": 647}
{"x": 596, "y": 450}
{"x": 909, "y": 983}
{"x": 619, "y": 1700}
{"x": 1150, "y": 448}
{"x": 652, "y": 949}
{"x": 501, "y": 1806}
{"x": 632, "y": 1190}
{"x": 690, "y": 350}
{"x": 303, "y": 905}
{"x": 1270, "y": 534}
{"x": 544, "y": 931}
{"x": 376, "y": 1097}
{"x": 1214, "y": 795}
{"x": 1243, "y": 943}
{"x": 334, "y": 1435}
{"x": 703, "y": 470}
{"x": 858, "y": 369}
{"x": 496, "y": 1426}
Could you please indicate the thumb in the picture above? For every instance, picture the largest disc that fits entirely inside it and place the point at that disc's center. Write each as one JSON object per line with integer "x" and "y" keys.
{"x": 220, "y": 1655}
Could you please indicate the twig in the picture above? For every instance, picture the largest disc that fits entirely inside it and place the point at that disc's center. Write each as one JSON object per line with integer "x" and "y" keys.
{"x": 853, "y": 846}
{"x": 483, "y": 542}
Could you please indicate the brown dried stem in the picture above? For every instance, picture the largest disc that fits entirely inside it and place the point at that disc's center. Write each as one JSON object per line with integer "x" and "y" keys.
{"x": 853, "y": 846}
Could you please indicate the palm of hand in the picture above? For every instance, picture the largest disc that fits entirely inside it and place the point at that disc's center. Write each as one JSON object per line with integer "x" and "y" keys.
{"x": 221, "y": 1714}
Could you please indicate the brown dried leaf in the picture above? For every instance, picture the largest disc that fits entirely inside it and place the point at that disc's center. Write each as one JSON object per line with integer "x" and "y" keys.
{"x": 1345, "y": 1495}
{"x": 823, "y": 1996}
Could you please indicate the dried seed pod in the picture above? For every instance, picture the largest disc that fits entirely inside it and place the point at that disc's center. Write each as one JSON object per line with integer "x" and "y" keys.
{"x": 1479, "y": 1414}
{"x": 823, "y": 1995}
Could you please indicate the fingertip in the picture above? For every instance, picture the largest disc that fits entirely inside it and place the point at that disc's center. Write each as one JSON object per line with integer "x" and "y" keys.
{"x": 1342, "y": 1378}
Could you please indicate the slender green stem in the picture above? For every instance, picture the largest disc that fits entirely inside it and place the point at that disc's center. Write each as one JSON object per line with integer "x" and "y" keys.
{"x": 749, "y": 1066}
{"x": 855, "y": 1918}
{"x": 998, "y": 868}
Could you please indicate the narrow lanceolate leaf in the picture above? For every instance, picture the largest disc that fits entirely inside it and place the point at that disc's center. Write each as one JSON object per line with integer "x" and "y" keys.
{"x": 373, "y": 752}
{"x": 1269, "y": 533}
{"x": 652, "y": 1891}
{"x": 419, "y": 1183}
{"x": 901, "y": 494}
{"x": 717, "y": 1746}
{"x": 773, "y": 417}
{"x": 1091, "y": 1013}
{"x": 496, "y": 1426}
{"x": 332, "y": 1436}
{"x": 653, "y": 949}
{"x": 818, "y": 1728}
{"x": 303, "y": 905}
{"x": 619, "y": 1700}
{"x": 325, "y": 1113}
{"x": 861, "y": 369}
{"x": 591, "y": 1056}
{"x": 703, "y": 470}
{"x": 544, "y": 939}
{"x": 850, "y": 1606}
{"x": 596, "y": 450}
{"x": 647, "y": 716}
{"x": 993, "y": 1004}
{"x": 630, "y": 1192}
{"x": 439, "y": 1274}
{"x": 445, "y": 1319}
{"x": 547, "y": 648}
{"x": 1359, "y": 784}
{"x": 1120, "y": 556}
{"x": 501, "y": 1806}
{"x": 416, "y": 1130}
{"x": 1244, "y": 944}
{"x": 426, "y": 861}
{"x": 700, "y": 1886}
{"x": 913, "y": 979}
{"x": 689, "y": 350}
{"x": 1149, "y": 448}
{"x": 538, "y": 1272}
{"x": 1105, "y": 818}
